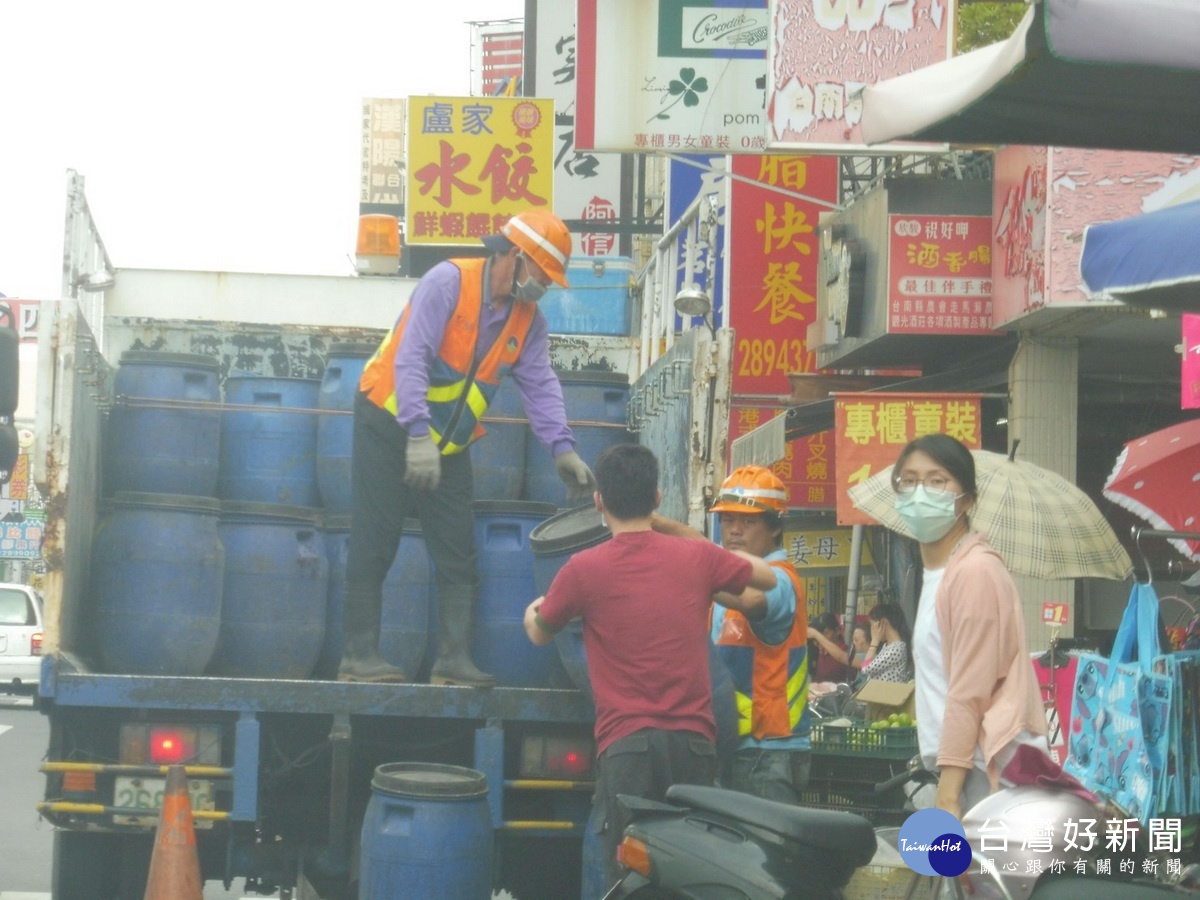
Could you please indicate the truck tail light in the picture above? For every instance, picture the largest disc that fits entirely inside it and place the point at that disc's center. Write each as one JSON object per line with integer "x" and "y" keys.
{"x": 557, "y": 757}
{"x": 166, "y": 744}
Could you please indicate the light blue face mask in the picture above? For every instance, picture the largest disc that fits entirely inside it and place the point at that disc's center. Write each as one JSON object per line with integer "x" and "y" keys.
{"x": 929, "y": 515}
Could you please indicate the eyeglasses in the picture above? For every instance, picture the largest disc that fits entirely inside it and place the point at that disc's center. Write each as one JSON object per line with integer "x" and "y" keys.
{"x": 934, "y": 484}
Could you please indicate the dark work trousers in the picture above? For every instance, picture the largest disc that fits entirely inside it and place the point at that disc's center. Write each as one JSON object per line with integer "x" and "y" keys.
{"x": 644, "y": 764}
{"x": 382, "y": 501}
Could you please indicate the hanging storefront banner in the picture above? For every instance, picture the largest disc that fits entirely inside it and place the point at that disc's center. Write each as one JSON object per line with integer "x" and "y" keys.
{"x": 871, "y": 429}
{"x": 826, "y": 548}
{"x": 939, "y": 274}
{"x": 1190, "y": 377}
{"x": 771, "y": 273}
{"x": 473, "y": 162}
{"x": 681, "y": 76}
{"x": 822, "y": 54}
{"x": 586, "y": 185}
{"x": 381, "y": 173}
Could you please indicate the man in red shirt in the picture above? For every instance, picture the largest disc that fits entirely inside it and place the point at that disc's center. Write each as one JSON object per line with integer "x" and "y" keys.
{"x": 645, "y": 599}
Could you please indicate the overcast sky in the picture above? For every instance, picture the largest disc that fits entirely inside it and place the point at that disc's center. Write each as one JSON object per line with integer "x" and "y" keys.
{"x": 221, "y": 135}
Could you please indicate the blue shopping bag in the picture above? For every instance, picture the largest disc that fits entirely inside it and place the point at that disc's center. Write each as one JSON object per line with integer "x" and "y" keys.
{"x": 1120, "y": 731}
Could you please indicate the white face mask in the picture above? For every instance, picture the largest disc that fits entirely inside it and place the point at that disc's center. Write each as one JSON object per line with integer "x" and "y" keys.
{"x": 530, "y": 290}
{"x": 929, "y": 515}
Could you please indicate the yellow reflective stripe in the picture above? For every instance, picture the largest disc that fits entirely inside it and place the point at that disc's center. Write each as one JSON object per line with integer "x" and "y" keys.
{"x": 745, "y": 707}
{"x": 446, "y": 393}
{"x": 797, "y": 691}
{"x": 476, "y": 401}
{"x": 450, "y": 448}
{"x": 392, "y": 405}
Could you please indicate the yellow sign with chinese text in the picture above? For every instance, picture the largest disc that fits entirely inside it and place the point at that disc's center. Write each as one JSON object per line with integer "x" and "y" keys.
{"x": 827, "y": 548}
{"x": 473, "y": 162}
{"x": 870, "y": 430}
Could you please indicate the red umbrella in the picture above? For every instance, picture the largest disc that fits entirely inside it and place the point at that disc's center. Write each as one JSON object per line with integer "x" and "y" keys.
{"x": 1157, "y": 477}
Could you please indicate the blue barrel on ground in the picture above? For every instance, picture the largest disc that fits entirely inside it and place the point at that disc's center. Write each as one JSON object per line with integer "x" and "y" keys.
{"x": 335, "y": 424}
{"x": 164, "y": 430}
{"x": 276, "y": 590}
{"x": 406, "y": 592}
{"x": 157, "y": 574}
{"x": 427, "y": 834}
{"x": 269, "y": 440}
{"x": 498, "y": 459}
{"x": 506, "y": 586}
{"x": 596, "y": 403}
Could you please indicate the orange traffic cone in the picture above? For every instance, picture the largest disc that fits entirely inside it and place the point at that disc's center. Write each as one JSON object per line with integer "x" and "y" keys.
{"x": 175, "y": 865}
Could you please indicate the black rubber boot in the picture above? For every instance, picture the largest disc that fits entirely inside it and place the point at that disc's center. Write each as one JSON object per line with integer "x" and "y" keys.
{"x": 455, "y": 622}
{"x": 360, "y": 653}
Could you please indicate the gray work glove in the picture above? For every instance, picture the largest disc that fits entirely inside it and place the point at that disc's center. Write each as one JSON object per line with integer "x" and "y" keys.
{"x": 576, "y": 476}
{"x": 422, "y": 463}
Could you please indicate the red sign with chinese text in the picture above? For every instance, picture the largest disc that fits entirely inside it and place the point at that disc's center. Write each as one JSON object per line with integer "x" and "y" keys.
{"x": 771, "y": 274}
{"x": 940, "y": 275}
{"x": 1189, "y": 396}
{"x": 871, "y": 429}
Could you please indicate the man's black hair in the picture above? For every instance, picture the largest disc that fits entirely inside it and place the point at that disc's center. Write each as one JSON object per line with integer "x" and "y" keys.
{"x": 627, "y": 478}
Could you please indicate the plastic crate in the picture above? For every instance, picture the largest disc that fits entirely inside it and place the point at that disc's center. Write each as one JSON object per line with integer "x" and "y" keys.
{"x": 847, "y": 783}
{"x": 857, "y": 740}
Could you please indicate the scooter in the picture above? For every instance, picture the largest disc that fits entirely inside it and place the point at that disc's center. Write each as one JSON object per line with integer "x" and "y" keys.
{"x": 709, "y": 843}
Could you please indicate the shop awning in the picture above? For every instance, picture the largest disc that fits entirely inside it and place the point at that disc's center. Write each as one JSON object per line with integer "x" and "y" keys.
{"x": 1115, "y": 74}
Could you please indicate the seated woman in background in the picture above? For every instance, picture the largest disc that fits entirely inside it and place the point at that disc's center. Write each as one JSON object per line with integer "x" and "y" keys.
{"x": 889, "y": 655}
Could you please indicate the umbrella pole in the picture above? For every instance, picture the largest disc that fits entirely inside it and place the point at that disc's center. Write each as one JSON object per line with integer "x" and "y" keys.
{"x": 851, "y": 609}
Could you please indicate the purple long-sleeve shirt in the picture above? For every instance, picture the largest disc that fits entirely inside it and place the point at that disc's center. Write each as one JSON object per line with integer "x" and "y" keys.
{"x": 432, "y": 303}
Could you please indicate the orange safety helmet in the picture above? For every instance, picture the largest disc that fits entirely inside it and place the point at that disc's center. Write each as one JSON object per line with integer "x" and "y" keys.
{"x": 544, "y": 238}
{"x": 752, "y": 489}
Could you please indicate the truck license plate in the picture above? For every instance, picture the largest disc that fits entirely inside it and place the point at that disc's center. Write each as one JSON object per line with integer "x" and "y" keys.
{"x": 147, "y": 794}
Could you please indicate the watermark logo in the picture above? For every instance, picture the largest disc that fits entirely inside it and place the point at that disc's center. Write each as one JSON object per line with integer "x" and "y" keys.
{"x": 932, "y": 842}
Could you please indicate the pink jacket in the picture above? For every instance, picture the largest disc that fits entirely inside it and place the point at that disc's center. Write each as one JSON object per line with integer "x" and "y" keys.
{"x": 993, "y": 695}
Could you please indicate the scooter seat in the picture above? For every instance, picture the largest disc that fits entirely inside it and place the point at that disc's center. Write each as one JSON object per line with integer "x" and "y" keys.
{"x": 843, "y": 833}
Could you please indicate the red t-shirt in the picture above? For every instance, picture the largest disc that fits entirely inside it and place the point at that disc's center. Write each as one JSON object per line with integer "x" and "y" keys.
{"x": 645, "y": 600}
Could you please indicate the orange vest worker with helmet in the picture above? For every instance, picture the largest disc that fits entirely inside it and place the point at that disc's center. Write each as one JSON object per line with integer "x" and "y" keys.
{"x": 766, "y": 649}
{"x": 420, "y": 400}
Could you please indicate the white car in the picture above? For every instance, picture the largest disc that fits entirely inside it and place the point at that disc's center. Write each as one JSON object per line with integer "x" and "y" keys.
{"x": 21, "y": 632}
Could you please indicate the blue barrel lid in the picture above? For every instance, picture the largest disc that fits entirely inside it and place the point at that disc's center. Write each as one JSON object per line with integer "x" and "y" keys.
{"x": 576, "y": 376}
{"x": 432, "y": 780}
{"x": 177, "y": 502}
{"x": 352, "y": 348}
{"x": 165, "y": 358}
{"x": 570, "y": 530}
{"x": 342, "y": 523}
{"x": 246, "y": 509}
{"x": 514, "y": 508}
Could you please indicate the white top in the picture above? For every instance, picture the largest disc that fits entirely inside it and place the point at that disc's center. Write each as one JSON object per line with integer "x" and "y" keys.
{"x": 933, "y": 686}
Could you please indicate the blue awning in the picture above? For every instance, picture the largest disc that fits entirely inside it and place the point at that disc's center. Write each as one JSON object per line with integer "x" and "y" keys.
{"x": 1148, "y": 260}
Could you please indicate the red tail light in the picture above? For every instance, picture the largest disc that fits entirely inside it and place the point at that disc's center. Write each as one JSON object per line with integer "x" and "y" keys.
{"x": 35, "y": 643}
{"x": 169, "y": 746}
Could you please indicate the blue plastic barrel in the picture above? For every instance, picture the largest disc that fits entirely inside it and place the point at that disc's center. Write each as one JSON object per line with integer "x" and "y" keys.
{"x": 164, "y": 430}
{"x": 554, "y": 542}
{"x": 426, "y": 835}
{"x": 335, "y": 426}
{"x": 157, "y": 574}
{"x": 596, "y": 403}
{"x": 506, "y": 586}
{"x": 498, "y": 459}
{"x": 406, "y": 592}
{"x": 269, "y": 440}
{"x": 276, "y": 590}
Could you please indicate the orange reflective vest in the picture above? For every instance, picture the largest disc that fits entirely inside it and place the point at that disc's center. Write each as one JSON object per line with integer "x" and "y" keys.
{"x": 771, "y": 681}
{"x": 459, "y": 389}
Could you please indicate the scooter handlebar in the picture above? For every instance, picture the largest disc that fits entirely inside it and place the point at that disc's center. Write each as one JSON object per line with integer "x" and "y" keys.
{"x": 913, "y": 772}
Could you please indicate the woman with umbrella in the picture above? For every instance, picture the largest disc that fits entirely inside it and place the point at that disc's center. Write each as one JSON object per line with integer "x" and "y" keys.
{"x": 976, "y": 696}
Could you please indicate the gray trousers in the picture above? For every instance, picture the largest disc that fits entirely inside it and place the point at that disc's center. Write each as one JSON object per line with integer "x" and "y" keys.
{"x": 779, "y": 775}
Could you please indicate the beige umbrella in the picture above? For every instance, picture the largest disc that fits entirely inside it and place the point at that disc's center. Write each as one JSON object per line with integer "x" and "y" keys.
{"x": 1040, "y": 523}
